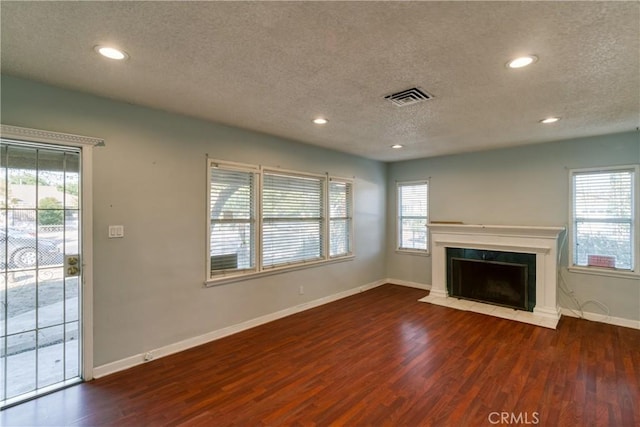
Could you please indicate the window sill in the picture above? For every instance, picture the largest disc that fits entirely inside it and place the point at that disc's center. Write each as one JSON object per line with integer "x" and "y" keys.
{"x": 415, "y": 252}
{"x": 223, "y": 280}
{"x": 622, "y": 274}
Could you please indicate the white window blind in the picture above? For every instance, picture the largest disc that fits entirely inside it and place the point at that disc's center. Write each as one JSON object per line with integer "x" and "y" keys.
{"x": 233, "y": 220}
{"x": 340, "y": 217}
{"x": 413, "y": 216}
{"x": 292, "y": 219}
{"x": 603, "y": 218}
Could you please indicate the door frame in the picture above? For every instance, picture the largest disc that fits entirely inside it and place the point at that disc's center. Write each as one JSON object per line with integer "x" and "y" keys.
{"x": 86, "y": 145}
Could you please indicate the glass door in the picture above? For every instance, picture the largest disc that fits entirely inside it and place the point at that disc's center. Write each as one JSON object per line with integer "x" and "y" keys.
{"x": 40, "y": 269}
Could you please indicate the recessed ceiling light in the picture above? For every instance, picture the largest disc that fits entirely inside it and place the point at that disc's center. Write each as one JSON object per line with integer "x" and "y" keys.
{"x": 320, "y": 121}
{"x": 550, "y": 120}
{"x": 111, "y": 52}
{"x": 396, "y": 146}
{"x": 522, "y": 61}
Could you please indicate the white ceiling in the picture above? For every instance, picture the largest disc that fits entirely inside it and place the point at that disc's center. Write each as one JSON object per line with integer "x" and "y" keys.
{"x": 273, "y": 66}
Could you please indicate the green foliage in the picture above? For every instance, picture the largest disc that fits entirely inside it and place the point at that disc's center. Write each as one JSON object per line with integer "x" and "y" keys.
{"x": 25, "y": 178}
{"x": 69, "y": 188}
{"x": 50, "y": 212}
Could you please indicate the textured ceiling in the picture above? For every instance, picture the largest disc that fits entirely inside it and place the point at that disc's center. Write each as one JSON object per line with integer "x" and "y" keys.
{"x": 273, "y": 66}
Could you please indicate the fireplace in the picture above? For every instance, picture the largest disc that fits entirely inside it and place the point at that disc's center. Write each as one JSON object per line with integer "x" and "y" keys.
{"x": 498, "y": 244}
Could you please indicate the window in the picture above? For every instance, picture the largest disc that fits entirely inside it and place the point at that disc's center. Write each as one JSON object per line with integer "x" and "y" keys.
{"x": 232, "y": 213}
{"x": 263, "y": 219}
{"x": 292, "y": 219}
{"x": 604, "y": 217}
{"x": 340, "y": 217}
{"x": 413, "y": 216}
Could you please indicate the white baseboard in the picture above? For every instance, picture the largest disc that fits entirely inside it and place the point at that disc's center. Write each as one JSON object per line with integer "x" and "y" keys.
{"x": 408, "y": 284}
{"x": 138, "y": 359}
{"x": 603, "y": 318}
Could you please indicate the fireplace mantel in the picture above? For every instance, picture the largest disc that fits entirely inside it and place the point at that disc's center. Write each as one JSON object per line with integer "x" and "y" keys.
{"x": 524, "y": 231}
{"x": 541, "y": 241}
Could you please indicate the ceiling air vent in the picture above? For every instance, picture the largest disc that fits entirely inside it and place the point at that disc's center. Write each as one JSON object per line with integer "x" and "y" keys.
{"x": 408, "y": 97}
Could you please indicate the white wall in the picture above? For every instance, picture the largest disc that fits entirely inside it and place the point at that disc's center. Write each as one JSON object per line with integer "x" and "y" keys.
{"x": 151, "y": 178}
{"x": 526, "y": 185}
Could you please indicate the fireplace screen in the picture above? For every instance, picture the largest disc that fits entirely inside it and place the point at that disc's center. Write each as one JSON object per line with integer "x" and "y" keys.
{"x": 492, "y": 282}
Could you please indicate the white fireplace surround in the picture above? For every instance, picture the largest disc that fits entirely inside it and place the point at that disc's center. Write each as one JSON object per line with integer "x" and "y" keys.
{"x": 541, "y": 241}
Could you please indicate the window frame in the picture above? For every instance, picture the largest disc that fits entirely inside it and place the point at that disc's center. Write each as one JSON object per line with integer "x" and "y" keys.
{"x": 348, "y": 218}
{"x": 236, "y": 167}
{"x": 399, "y": 247}
{"x": 323, "y": 218}
{"x": 259, "y": 171}
{"x": 635, "y": 223}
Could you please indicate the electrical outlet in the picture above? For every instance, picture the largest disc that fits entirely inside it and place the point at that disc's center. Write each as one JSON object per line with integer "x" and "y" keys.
{"x": 301, "y": 290}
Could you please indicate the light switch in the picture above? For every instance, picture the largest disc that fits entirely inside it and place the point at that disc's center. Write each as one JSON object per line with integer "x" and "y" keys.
{"x": 116, "y": 231}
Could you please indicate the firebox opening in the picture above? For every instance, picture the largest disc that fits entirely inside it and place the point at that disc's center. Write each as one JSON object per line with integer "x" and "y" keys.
{"x": 493, "y": 277}
{"x": 489, "y": 281}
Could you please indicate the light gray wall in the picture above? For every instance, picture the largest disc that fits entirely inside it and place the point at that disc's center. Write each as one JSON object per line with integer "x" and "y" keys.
{"x": 526, "y": 185}
{"x": 151, "y": 178}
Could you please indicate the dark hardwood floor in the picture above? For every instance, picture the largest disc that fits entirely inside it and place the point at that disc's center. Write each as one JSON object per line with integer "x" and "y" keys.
{"x": 379, "y": 358}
